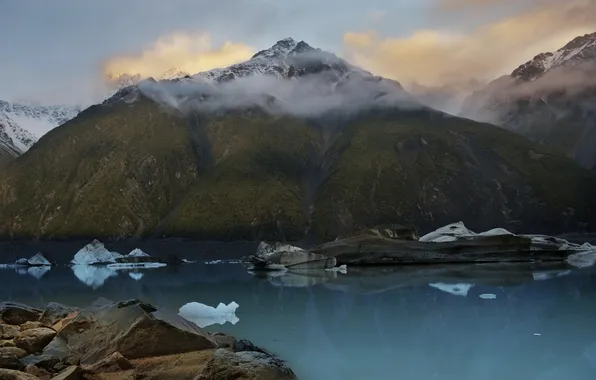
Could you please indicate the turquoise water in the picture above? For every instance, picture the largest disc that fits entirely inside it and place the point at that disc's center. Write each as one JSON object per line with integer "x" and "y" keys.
{"x": 532, "y": 322}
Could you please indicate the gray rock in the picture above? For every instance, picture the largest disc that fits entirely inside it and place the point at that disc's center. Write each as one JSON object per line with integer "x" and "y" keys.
{"x": 17, "y": 314}
{"x": 54, "y": 312}
{"x": 46, "y": 362}
{"x": 71, "y": 373}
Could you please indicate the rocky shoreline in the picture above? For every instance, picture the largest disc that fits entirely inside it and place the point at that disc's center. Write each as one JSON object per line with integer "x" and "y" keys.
{"x": 123, "y": 341}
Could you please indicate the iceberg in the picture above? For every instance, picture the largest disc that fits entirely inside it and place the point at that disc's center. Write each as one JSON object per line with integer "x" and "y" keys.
{"x": 343, "y": 269}
{"x": 147, "y": 265}
{"x": 582, "y": 259}
{"x": 137, "y": 253}
{"x": 458, "y": 231}
{"x": 204, "y": 315}
{"x": 95, "y": 253}
{"x": 455, "y": 289}
{"x": 38, "y": 260}
{"x": 93, "y": 276}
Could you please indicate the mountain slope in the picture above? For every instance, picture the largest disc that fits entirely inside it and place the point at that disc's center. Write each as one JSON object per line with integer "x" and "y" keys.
{"x": 14, "y": 140}
{"x": 549, "y": 99}
{"x": 37, "y": 119}
{"x": 321, "y": 153}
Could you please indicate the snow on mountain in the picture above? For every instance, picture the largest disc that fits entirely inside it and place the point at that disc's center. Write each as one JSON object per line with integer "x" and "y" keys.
{"x": 14, "y": 140}
{"x": 37, "y": 119}
{"x": 577, "y": 51}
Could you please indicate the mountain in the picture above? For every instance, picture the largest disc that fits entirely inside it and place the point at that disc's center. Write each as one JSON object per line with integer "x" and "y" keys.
{"x": 293, "y": 143}
{"x": 14, "y": 140}
{"x": 549, "y": 99}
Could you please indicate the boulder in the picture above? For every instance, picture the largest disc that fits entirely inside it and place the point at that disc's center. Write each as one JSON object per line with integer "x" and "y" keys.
{"x": 246, "y": 365}
{"x": 10, "y": 359}
{"x": 46, "y": 362}
{"x": 133, "y": 330}
{"x": 9, "y": 374}
{"x": 62, "y": 323}
{"x": 54, "y": 312}
{"x": 7, "y": 343}
{"x": 9, "y": 331}
{"x": 18, "y": 352}
{"x": 71, "y": 373}
{"x": 31, "y": 325}
{"x": 113, "y": 363}
{"x": 57, "y": 348}
{"x": 17, "y": 314}
{"x": 40, "y": 373}
{"x": 35, "y": 340}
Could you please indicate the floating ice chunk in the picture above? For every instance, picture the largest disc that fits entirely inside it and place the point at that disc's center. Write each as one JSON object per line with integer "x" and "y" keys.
{"x": 93, "y": 276}
{"x": 204, "y": 315}
{"x": 450, "y": 232}
{"x": 22, "y": 262}
{"x": 214, "y": 262}
{"x": 137, "y": 253}
{"x": 548, "y": 275}
{"x": 6, "y": 266}
{"x": 264, "y": 249}
{"x": 582, "y": 259}
{"x": 455, "y": 289}
{"x": 136, "y": 275}
{"x": 136, "y": 265}
{"x": 95, "y": 253}
{"x": 39, "y": 260}
{"x": 537, "y": 334}
{"x": 341, "y": 269}
{"x": 186, "y": 261}
{"x": 488, "y": 296}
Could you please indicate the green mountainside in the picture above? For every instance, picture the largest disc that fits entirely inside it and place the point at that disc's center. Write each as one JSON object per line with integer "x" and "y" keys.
{"x": 136, "y": 168}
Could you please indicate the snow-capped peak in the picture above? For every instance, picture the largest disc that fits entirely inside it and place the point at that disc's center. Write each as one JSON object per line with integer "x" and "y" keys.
{"x": 581, "y": 49}
{"x": 38, "y": 119}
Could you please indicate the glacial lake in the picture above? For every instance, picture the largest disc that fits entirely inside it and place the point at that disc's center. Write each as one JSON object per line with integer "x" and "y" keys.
{"x": 465, "y": 322}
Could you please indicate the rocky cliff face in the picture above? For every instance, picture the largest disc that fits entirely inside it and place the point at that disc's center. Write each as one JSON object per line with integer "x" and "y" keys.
{"x": 549, "y": 99}
{"x": 322, "y": 153}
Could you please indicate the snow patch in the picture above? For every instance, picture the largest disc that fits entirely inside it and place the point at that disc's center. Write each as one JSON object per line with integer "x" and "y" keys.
{"x": 455, "y": 289}
{"x": 204, "y": 315}
{"x": 95, "y": 253}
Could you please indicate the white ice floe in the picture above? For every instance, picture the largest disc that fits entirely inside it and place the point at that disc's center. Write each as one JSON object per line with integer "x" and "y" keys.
{"x": 341, "y": 269}
{"x": 95, "y": 253}
{"x": 136, "y": 265}
{"x": 266, "y": 249}
{"x": 455, "y": 289}
{"x": 548, "y": 275}
{"x": 93, "y": 276}
{"x": 488, "y": 296}
{"x": 204, "y": 315}
{"x": 136, "y": 275}
{"x": 583, "y": 259}
{"x": 458, "y": 231}
{"x": 39, "y": 260}
{"x": 186, "y": 261}
{"x": 137, "y": 253}
{"x": 6, "y": 266}
{"x": 214, "y": 262}
{"x": 537, "y": 334}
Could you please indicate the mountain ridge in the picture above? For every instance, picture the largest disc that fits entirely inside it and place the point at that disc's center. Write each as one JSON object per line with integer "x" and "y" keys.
{"x": 320, "y": 153}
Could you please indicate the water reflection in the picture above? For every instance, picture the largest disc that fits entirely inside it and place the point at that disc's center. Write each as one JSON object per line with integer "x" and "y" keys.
{"x": 376, "y": 322}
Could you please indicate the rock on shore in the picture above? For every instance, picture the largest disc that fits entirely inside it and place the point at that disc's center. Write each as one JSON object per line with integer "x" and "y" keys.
{"x": 123, "y": 341}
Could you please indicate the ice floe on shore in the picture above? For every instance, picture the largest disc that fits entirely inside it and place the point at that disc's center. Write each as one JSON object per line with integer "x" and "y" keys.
{"x": 205, "y": 315}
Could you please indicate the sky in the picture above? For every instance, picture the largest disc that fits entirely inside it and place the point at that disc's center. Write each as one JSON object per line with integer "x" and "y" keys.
{"x": 63, "y": 51}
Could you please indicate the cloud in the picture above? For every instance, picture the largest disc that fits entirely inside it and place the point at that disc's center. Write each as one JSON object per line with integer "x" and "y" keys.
{"x": 443, "y": 57}
{"x": 187, "y": 52}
